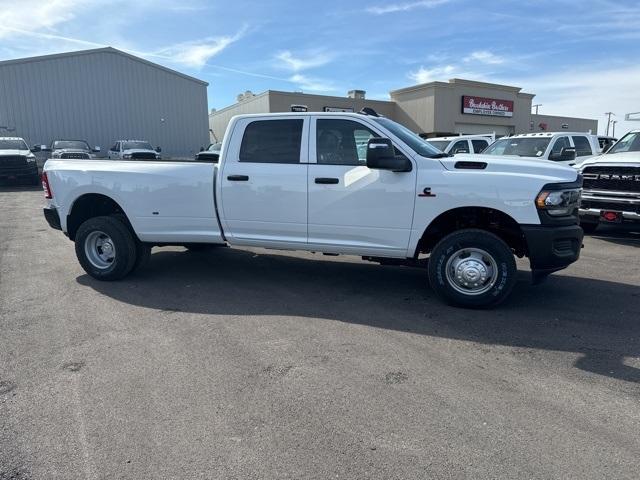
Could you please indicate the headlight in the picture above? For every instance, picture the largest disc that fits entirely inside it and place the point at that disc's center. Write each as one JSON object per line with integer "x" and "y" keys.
{"x": 126, "y": 155}
{"x": 559, "y": 202}
{"x": 31, "y": 159}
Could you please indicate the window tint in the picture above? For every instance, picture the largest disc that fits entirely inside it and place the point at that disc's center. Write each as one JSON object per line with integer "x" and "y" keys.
{"x": 461, "y": 146}
{"x": 342, "y": 142}
{"x": 560, "y": 143}
{"x": 583, "y": 147}
{"x": 272, "y": 141}
{"x": 479, "y": 145}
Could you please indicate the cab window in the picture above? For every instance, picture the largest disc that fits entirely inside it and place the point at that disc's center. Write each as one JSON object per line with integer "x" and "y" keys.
{"x": 342, "y": 142}
{"x": 560, "y": 143}
{"x": 272, "y": 141}
{"x": 461, "y": 146}
{"x": 583, "y": 147}
{"x": 479, "y": 145}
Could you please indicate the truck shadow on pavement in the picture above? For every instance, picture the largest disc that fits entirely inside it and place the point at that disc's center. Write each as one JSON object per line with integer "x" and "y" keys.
{"x": 597, "y": 319}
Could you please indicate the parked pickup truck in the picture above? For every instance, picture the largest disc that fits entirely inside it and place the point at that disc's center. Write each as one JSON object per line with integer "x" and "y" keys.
{"x": 462, "y": 143}
{"x": 612, "y": 185}
{"x": 133, "y": 150}
{"x": 298, "y": 181}
{"x": 569, "y": 148}
{"x": 17, "y": 162}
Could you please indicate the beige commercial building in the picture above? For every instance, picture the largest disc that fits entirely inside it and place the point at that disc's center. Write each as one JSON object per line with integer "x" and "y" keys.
{"x": 430, "y": 109}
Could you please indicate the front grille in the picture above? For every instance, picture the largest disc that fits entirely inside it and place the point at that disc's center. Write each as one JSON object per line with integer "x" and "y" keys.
{"x": 11, "y": 161}
{"x": 607, "y": 205}
{"x": 143, "y": 156}
{"x": 75, "y": 155}
{"x": 621, "y": 179}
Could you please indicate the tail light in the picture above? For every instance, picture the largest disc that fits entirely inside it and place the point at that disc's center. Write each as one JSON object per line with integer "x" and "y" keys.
{"x": 45, "y": 186}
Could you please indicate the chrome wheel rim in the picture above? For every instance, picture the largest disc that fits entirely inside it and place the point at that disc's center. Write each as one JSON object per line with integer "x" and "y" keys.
{"x": 100, "y": 250}
{"x": 472, "y": 271}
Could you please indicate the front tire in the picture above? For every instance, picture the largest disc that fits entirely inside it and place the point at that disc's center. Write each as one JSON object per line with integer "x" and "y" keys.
{"x": 105, "y": 248}
{"x": 472, "y": 268}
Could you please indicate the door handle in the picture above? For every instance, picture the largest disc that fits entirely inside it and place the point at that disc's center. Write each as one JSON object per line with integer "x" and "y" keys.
{"x": 238, "y": 178}
{"x": 327, "y": 181}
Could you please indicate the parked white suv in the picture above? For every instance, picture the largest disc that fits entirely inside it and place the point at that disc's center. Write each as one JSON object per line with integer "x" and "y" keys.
{"x": 133, "y": 150}
{"x": 569, "y": 148}
{"x": 462, "y": 143}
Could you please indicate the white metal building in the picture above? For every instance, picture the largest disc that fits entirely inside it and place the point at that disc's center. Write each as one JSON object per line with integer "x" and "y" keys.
{"x": 101, "y": 96}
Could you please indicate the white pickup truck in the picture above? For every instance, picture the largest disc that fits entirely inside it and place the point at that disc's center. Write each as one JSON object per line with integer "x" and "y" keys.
{"x": 298, "y": 181}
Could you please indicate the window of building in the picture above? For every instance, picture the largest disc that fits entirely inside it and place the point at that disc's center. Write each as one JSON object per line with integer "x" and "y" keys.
{"x": 479, "y": 145}
{"x": 583, "y": 147}
{"x": 342, "y": 142}
{"x": 272, "y": 141}
{"x": 461, "y": 146}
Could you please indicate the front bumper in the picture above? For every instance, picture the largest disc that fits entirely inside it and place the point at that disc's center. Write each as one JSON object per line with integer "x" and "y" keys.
{"x": 596, "y": 201}
{"x": 52, "y": 217}
{"x": 552, "y": 248}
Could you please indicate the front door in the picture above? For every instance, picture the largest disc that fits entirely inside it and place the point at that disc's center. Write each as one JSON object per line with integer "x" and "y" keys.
{"x": 264, "y": 182}
{"x": 353, "y": 208}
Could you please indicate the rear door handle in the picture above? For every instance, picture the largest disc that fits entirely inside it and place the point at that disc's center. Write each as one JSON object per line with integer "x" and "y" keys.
{"x": 238, "y": 178}
{"x": 327, "y": 181}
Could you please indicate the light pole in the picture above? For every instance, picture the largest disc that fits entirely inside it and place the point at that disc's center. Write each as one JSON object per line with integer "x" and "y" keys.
{"x": 608, "y": 114}
{"x": 536, "y": 107}
{"x": 613, "y": 134}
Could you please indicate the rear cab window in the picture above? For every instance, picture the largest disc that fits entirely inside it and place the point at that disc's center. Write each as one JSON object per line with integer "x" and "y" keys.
{"x": 583, "y": 147}
{"x": 479, "y": 145}
{"x": 272, "y": 141}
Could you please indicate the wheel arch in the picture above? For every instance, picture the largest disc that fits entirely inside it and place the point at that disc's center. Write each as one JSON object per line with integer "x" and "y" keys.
{"x": 90, "y": 205}
{"x": 490, "y": 219}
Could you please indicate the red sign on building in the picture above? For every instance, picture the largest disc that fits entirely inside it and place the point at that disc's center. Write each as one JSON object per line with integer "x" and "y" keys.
{"x": 487, "y": 106}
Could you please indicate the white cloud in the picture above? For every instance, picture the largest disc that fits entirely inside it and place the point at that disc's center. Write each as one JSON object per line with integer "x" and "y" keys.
{"x": 297, "y": 64}
{"x": 588, "y": 94}
{"x": 484, "y": 56}
{"x": 404, "y": 7}
{"x": 426, "y": 75}
{"x": 196, "y": 54}
{"x": 311, "y": 84}
{"x": 36, "y": 15}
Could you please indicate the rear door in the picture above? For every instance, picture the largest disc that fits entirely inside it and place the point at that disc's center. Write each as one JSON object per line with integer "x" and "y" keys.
{"x": 264, "y": 182}
{"x": 354, "y": 209}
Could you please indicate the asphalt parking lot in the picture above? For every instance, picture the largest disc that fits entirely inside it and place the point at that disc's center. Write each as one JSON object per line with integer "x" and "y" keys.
{"x": 259, "y": 364}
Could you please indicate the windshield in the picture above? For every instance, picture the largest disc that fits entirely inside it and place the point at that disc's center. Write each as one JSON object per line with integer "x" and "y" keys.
{"x": 439, "y": 144}
{"x": 71, "y": 144}
{"x": 522, "y": 147}
{"x": 417, "y": 144}
{"x": 13, "y": 144}
{"x": 136, "y": 146}
{"x": 629, "y": 143}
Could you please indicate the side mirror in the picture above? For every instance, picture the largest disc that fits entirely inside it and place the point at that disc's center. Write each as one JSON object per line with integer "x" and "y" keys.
{"x": 460, "y": 150}
{"x": 382, "y": 156}
{"x": 96, "y": 149}
{"x": 36, "y": 148}
{"x": 567, "y": 154}
{"x": 158, "y": 149}
{"x": 202, "y": 149}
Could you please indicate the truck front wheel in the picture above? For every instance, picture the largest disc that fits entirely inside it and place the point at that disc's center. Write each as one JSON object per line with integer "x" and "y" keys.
{"x": 472, "y": 268}
{"x": 105, "y": 248}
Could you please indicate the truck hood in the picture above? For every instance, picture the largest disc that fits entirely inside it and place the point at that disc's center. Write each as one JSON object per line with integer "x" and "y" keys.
{"x": 7, "y": 153}
{"x": 509, "y": 164}
{"x": 618, "y": 158}
{"x": 138, "y": 150}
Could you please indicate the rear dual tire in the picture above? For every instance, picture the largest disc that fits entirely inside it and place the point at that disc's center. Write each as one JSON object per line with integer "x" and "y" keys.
{"x": 472, "y": 268}
{"x": 107, "y": 249}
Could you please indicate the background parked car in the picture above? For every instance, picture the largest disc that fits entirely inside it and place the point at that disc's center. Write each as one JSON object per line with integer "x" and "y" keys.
{"x": 17, "y": 162}
{"x": 462, "y": 143}
{"x": 210, "y": 154}
{"x": 569, "y": 148}
{"x": 78, "y": 149}
{"x": 133, "y": 150}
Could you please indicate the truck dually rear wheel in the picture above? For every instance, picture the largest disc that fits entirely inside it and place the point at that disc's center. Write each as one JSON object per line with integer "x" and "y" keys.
{"x": 472, "y": 268}
{"x": 105, "y": 248}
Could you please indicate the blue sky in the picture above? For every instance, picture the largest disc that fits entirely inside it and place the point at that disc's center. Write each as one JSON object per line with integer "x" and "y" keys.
{"x": 581, "y": 57}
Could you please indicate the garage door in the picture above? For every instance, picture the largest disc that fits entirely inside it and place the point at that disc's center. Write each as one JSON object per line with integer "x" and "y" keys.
{"x": 476, "y": 129}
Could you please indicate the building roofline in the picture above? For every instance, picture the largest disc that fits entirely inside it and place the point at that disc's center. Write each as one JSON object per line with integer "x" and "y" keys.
{"x": 453, "y": 82}
{"x": 563, "y": 117}
{"x": 76, "y": 53}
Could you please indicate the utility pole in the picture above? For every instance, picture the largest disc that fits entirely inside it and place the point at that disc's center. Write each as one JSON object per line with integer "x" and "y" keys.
{"x": 536, "y": 107}
{"x": 608, "y": 114}
{"x": 613, "y": 134}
